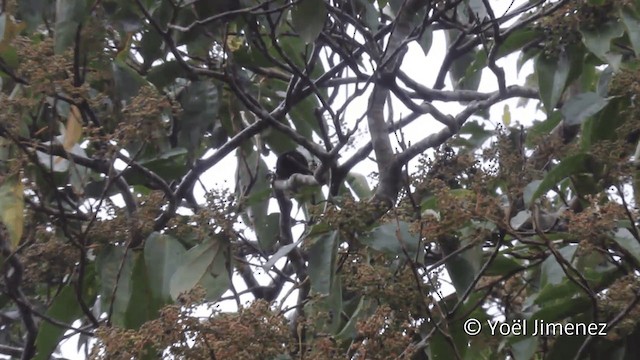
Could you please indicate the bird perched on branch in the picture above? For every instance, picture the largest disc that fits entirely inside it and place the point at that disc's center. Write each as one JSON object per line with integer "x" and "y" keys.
{"x": 291, "y": 162}
{"x": 294, "y": 176}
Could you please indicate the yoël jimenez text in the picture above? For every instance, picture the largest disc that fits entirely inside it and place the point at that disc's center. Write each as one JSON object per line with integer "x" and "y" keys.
{"x": 522, "y": 327}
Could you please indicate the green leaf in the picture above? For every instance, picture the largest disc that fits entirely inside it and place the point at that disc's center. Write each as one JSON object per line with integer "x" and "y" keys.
{"x": 69, "y": 15}
{"x": 123, "y": 15}
{"x": 308, "y": 19}
{"x": 165, "y": 74}
{"x": 582, "y": 106}
{"x": 552, "y": 273}
{"x": 282, "y": 252}
{"x": 126, "y": 81}
{"x": 206, "y": 265}
{"x": 560, "y": 310}
{"x": 391, "y": 238}
{"x": 116, "y": 270}
{"x": 477, "y": 8}
{"x": 502, "y": 265}
{"x": 323, "y": 262}
{"x": 529, "y": 191}
{"x": 524, "y": 349}
{"x": 517, "y": 41}
{"x": 463, "y": 266}
{"x": 551, "y": 293}
{"x": 552, "y": 78}
{"x": 525, "y": 56}
{"x": 461, "y": 72}
{"x": 604, "y": 125}
{"x": 170, "y": 165}
{"x": 267, "y": 231}
{"x": 368, "y": 13}
{"x": 426, "y": 40}
{"x": 162, "y": 254}
{"x": 252, "y": 181}
{"x": 441, "y": 347}
{"x": 32, "y": 12}
{"x": 542, "y": 128}
{"x": 604, "y": 80}
{"x": 349, "y": 330}
{"x": 65, "y": 309}
{"x": 143, "y": 304}
{"x": 572, "y": 165}
{"x": 567, "y": 346}
{"x": 303, "y": 118}
{"x": 200, "y": 104}
{"x": 359, "y": 184}
{"x": 12, "y": 208}
{"x": 628, "y": 242}
{"x": 598, "y": 41}
{"x": 478, "y": 136}
{"x": 632, "y": 25}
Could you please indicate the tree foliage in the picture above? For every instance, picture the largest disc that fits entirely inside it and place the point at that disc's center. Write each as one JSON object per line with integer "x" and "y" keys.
{"x": 112, "y": 111}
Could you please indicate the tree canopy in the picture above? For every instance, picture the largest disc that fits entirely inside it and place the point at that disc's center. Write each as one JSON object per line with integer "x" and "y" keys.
{"x": 112, "y": 111}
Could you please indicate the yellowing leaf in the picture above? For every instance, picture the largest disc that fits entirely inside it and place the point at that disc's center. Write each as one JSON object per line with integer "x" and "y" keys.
{"x": 506, "y": 115}
{"x": 234, "y": 42}
{"x": 74, "y": 128}
{"x": 123, "y": 52}
{"x": 12, "y": 208}
{"x": 8, "y": 30}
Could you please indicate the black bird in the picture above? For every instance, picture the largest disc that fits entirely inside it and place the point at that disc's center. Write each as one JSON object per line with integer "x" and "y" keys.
{"x": 291, "y": 162}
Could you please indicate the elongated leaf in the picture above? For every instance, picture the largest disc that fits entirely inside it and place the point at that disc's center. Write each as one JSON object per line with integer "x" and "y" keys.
{"x": 461, "y": 72}
{"x": 552, "y": 273}
{"x": 560, "y": 310}
{"x": 206, "y": 265}
{"x": 12, "y": 208}
{"x": 627, "y": 241}
{"x": 74, "y": 128}
{"x": 426, "y": 40}
{"x": 32, "y": 11}
{"x": 572, "y": 165}
{"x": 252, "y": 181}
{"x": 115, "y": 273}
{"x": 267, "y": 231}
{"x": 358, "y": 183}
{"x": 582, "y": 106}
{"x": 308, "y": 19}
{"x": 69, "y": 14}
{"x": 462, "y": 267}
{"x": 603, "y": 81}
{"x": 349, "y": 329}
{"x": 127, "y": 82}
{"x": 162, "y": 254}
{"x": 200, "y": 104}
{"x": 65, "y": 309}
{"x": 502, "y": 265}
{"x": 9, "y": 29}
{"x": 323, "y": 262}
{"x": 632, "y": 25}
{"x": 283, "y": 251}
{"x": 598, "y": 41}
{"x": 166, "y": 73}
{"x": 392, "y": 238}
{"x": 143, "y": 305}
{"x": 603, "y": 126}
{"x": 552, "y": 78}
{"x": 524, "y": 348}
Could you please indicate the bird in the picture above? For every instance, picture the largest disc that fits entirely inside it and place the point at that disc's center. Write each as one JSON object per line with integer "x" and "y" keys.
{"x": 291, "y": 162}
